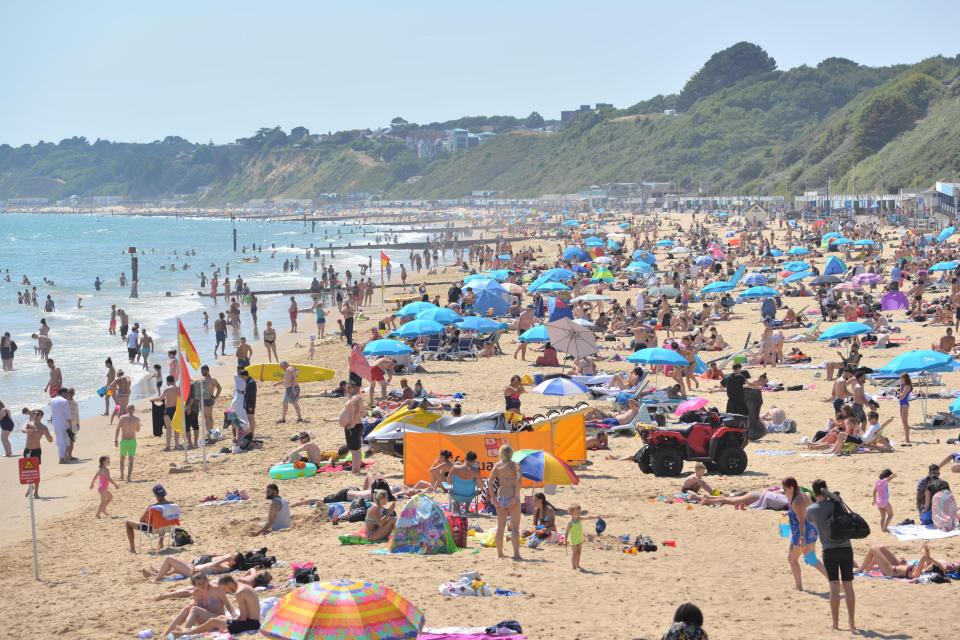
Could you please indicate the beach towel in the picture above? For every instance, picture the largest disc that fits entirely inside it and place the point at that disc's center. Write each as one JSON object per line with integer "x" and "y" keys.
{"x": 773, "y": 452}
{"x": 330, "y": 468}
{"x": 911, "y": 532}
{"x": 477, "y": 633}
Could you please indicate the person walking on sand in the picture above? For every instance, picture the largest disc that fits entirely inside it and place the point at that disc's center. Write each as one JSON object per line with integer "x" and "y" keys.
{"x": 293, "y": 311}
{"x": 270, "y": 342}
{"x": 348, "y": 312}
{"x": 291, "y": 392}
{"x": 111, "y": 376}
{"x": 125, "y": 439}
{"x": 837, "y": 554}
{"x": 103, "y": 481}
{"x": 351, "y": 420}
{"x": 244, "y": 353}
{"x": 506, "y": 477}
{"x": 36, "y": 431}
{"x": 121, "y": 392}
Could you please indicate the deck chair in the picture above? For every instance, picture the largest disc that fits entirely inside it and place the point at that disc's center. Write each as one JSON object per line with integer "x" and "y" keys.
{"x": 465, "y": 348}
{"x": 463, "y": 493}
{"x": 433, "y": 348}
{"x": 873, "y": 438}
{"x": 161, "y": 520}
{"x": 810, "y": 335}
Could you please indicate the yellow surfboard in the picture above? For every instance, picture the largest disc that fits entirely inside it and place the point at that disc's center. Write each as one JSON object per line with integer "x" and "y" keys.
{"x": 271, "y": 372}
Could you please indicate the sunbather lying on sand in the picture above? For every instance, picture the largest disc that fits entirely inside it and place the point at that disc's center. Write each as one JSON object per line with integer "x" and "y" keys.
{"x": 613, "y": 419}
{"x": 882, "y": 559}
{"x": 251, "y": 577}
{"x": 372, "y": 483}
{"x": 173, "y": 565}
{"x": 769, "y": 499}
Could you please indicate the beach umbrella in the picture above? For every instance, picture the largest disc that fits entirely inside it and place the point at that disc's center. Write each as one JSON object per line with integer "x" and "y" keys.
{"x": 541, "y": 466}
{"x": 680, "y": 251}
{"x": 417, "y": 328}
{"x": 644, "y": 256}
{"x": 476, "y": 276}
{"x": 548, "y": 286}
{"x": 639, "y": 267}
{"x": 499, "y": 275}
{"x": 414, "y": 308}
{"x": 759, "y": 292}
{"x": 603, "y": 260}
{"x": 480, "y": 324}
{"x": 441, "y": 315}
{"x": 490, "y": 295}
{"x": 665, "y": 290}
{"x": 665, "y": 243}
{"x": 691, "y": 404}
{"x": 839, "y": 242}
{"x": 866, "y": 278}
{"x": 917, "y": 361}
{"x": 575, "y": 254}
{"x": 592, "y": 297}
{"x": 948, "y": 265}
{"x": 755, "y": 279}
{"x": 557, "y": 274}
{"x": 560, "y": 387}
{"x": 844, "y": 330}
{"x": 796, "y": 266}
{"x": 796, "y": 277}
{"x": 945, "y": 234}
{"x": 342, "y": 609}
{"x": 776, "y": 253}
{"x": 602, "y": 275}
{"x": 593, "y": 241}
{"x": 569, "y": 337}
{"x": 865, "y": 242}
{"x": 579, "y": 268}
{"x": 831, "y": 235}
{"x": 657, "y": 356}
{"x": 386, "y": 347}
{"x": 798, "y": 251}
{"x": 570, "y": 224}
{"x": 505, "y": 256}
{"x": 826, "y": 280}
{"x": 717, "y": 287}
{"x": 819, "y": 223}
{"x": 534, "y": 334}
{"x": 955, "y": 407}
{"x": 848, "y": 286}
{"x": 624, "y": 225}
{"x": 703, "y": 261}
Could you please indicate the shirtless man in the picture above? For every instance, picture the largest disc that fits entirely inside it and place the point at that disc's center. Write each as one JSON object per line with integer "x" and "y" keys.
{"x": 169, "y": 395}
{"x": 121, "y": 392}
{"x": 855, "y": 388}
{"x": 351, "y": 420}
{"x": 311, "y": 450}
{"x": 244, "y": 353}
{"x": 947, "y": 342}
{"x": 55, "y": 381}
{"x": 252, "y": 577}
{"x": 220, "y": 333}
{"x": 291, "y": 391}
{"x": 210, "y": 391}
{"x": 36, "y": 431}
{"x": 840, "y": 393}
{"x": 111, "y": 376}
{"x": 247, "y": 617}
{"x": 125, "y": 438}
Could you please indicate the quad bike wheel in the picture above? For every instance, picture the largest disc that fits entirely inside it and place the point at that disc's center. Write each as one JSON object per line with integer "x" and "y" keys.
{"x": 643, "y": 460}
{"x": 731, "y": 461}
{"x": 666, "y": 461}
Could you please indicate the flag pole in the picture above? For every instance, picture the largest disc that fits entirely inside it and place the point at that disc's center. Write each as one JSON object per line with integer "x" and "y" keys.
{"x": 204, "y": 430}
{"x": 382, "y": 282}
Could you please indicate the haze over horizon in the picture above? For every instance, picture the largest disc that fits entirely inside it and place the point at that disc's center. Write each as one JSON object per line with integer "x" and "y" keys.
{"x": 221, "y": 70}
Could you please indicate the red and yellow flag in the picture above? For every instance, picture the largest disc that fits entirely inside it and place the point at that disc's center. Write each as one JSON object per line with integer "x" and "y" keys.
{"x": 187, "y": 350}
{"x": 184, "y": 379}
{"x": 384, "y": 260}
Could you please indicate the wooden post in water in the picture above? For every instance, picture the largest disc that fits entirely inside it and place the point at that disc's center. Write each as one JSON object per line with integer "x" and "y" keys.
{"x": 134, "y": 272}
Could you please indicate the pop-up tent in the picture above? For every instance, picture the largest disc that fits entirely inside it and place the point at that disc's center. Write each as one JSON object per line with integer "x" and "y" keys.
{"x": 422, "y": 528}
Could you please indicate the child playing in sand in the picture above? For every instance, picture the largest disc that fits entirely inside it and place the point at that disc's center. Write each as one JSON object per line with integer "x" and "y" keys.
{"x": 881, "y": 498}
{"x": 574, "y": 533}
{"x": 696, "y": 483}
{"x": 313, "y": 348}
{"x": 103, "y": 481}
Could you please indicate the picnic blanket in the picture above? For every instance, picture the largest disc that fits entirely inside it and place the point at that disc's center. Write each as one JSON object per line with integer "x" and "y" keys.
{"x": 910, "y": 532}
{"x": 330, "y": 468}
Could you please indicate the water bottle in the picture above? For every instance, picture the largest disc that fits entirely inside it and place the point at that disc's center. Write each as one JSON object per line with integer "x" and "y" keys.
{"x": 784, "y": 527}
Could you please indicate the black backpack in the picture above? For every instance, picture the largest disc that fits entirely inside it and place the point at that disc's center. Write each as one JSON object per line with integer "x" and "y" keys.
{"x": 845, "y": 524}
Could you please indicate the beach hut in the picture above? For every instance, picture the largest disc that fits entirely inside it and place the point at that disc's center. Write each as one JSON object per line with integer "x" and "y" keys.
{"x": 422, "y": 528}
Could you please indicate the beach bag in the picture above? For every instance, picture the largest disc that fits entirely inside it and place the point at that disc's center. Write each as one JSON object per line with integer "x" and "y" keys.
{"x": 944, "y": 507}
{"x": 357, "y": 511}
{"x": 181, "y": 537}
{"x": 845, "y": 524}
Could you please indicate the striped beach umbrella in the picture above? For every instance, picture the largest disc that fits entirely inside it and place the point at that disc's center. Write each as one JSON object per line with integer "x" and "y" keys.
{"x": 338, "y": 609}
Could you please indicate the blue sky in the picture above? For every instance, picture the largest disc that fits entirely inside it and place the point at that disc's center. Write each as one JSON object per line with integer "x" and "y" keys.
{"x": 218, "y": 70}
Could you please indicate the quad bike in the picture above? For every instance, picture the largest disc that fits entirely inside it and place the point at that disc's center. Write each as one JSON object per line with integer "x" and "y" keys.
{"x": 718, "y": 442}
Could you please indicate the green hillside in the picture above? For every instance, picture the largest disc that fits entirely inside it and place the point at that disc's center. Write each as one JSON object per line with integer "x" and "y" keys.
{"x": 743, "y": 126}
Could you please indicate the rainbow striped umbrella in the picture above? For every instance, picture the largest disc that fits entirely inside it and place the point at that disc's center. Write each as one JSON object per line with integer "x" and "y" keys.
{"x": 544, "y": 467}
{"x": 341, "y": 609}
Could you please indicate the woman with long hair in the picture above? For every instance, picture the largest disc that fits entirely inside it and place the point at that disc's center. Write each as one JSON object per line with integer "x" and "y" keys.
{"x": 803, "y": 535}
{"x": 903, "y": 395}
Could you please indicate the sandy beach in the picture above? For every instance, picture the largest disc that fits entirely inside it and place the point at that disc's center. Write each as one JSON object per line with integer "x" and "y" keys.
{"x": 732, "y": 563}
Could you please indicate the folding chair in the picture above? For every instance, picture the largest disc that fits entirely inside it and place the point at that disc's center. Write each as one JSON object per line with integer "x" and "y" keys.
{"x": 465, "y": 348}
{"x": 161, "y": 519}
{"x": 462, "y": 492}
{"x": 433, "y": 348}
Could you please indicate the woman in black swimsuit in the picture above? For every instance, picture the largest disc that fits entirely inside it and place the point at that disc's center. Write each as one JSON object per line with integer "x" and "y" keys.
{"x": 6, "y": 426}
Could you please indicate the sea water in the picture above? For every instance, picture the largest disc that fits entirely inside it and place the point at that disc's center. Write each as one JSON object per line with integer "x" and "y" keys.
{"x": 72, "y": 250}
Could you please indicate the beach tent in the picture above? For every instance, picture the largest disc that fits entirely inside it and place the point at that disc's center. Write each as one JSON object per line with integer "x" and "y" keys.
{"x": 834, "y": 266}
{"x": 575, "y": 254}
{"x": 557, "y": 309}
{"x": 422, "y": 528}
{"x": 894, "y": 301}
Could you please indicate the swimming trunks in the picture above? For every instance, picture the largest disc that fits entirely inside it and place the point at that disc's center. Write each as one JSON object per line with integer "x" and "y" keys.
{"x": 32, "y": 453}
{"x": 354, "y": 437}
{"x": 239, "y": 626}
{"x": 169, "y": 411}
{"x": 128, "y": 448}
{"x": 290, "y": 394}
{"x": 243, "y": 362}
{"x": 376, "y": 374}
